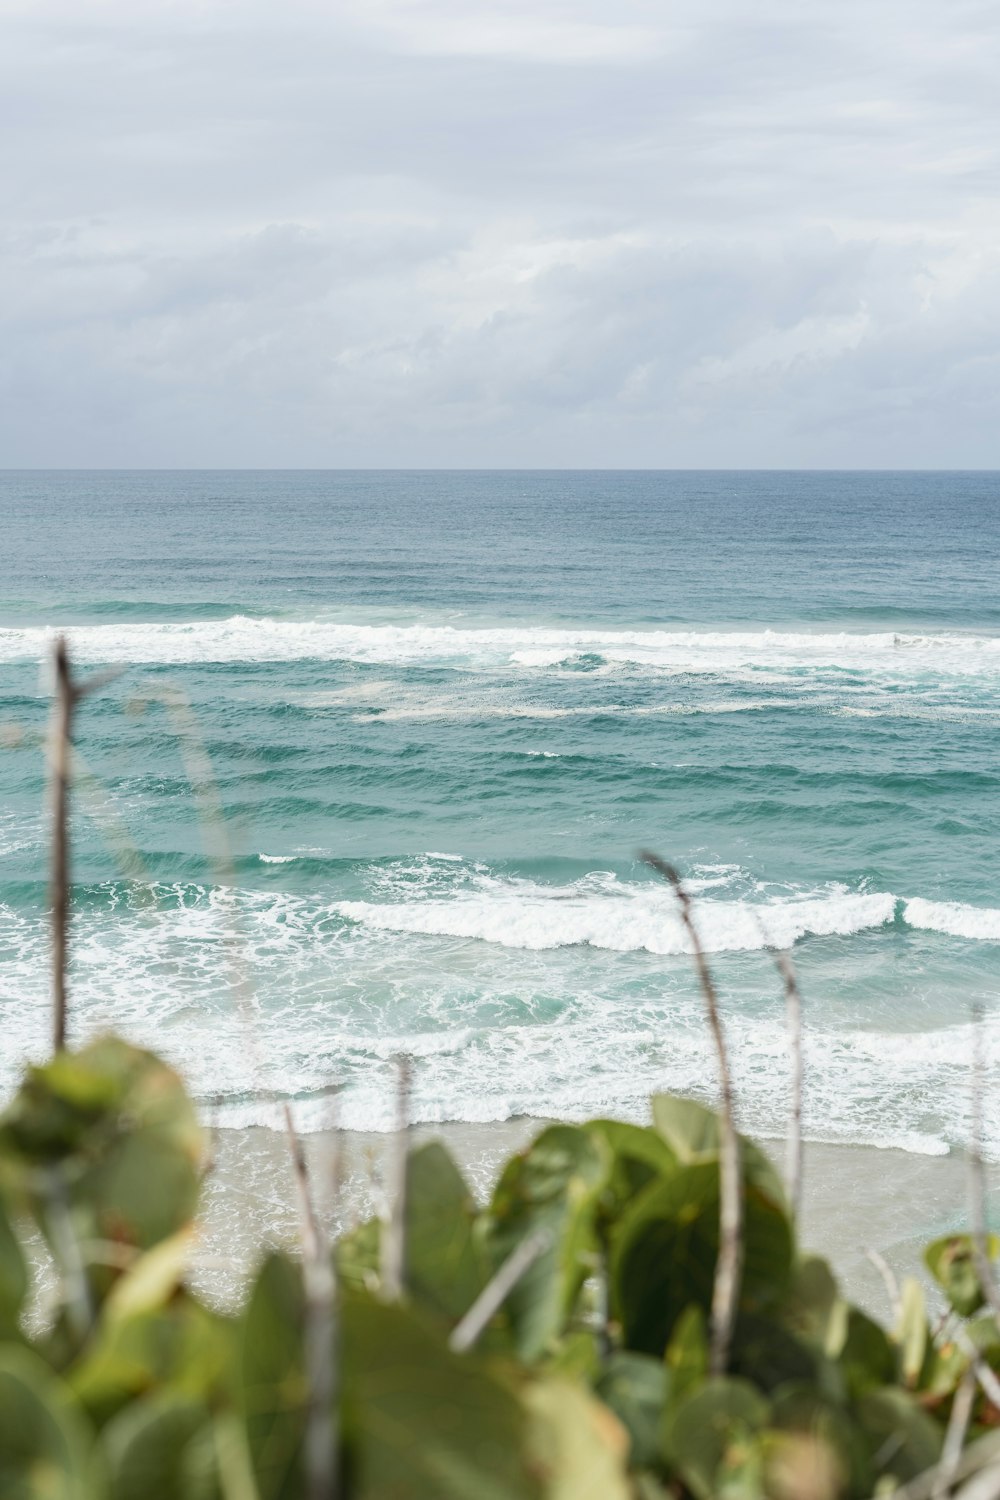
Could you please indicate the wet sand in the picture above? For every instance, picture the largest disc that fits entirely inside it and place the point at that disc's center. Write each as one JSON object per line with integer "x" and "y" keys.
{"x": 854, "y": 1197}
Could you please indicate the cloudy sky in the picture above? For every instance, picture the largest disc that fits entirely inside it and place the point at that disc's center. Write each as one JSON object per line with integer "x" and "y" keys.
{"x": 541, "y": 232}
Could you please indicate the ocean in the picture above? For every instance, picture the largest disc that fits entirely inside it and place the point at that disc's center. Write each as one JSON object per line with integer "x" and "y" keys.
{"x": 442, "y": 713}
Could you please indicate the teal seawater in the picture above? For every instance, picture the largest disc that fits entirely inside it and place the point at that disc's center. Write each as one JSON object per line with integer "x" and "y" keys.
{"x": 443, "y": 711}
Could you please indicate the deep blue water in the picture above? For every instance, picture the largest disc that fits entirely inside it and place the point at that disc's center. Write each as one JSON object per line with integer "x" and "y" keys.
{"x": 443, "y": 711}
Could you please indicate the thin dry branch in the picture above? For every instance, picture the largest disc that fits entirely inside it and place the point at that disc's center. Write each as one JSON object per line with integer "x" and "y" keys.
{"x": 496, "y": 1291}
{"x": 67, "y": 694}
{"x": 889, "y": 1281}
{"x": 729, "y": 1265}
{"x": 954, "y": 1438}
{"x": 977, "y": 1177}
{"x": 393, "y": 1267}
{"x": 60, "y": 751}
{"x": 793, "y": 1004}
{"x": 322, "y": 1435}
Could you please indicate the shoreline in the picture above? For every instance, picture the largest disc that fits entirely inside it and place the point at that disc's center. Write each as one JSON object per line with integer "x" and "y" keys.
{"x": 854, "y": 1197}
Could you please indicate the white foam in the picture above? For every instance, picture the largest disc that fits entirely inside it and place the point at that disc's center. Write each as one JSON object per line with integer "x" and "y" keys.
{"x": 276, "y": 859}
{"x": 494, "y": 1030}
{"x": 624, "y": 919}
{"x": 981, "y": 923}
{"x": 764, "y": 655}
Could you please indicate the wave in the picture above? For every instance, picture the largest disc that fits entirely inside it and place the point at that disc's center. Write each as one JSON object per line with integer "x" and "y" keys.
{"x": 761, "y": 655}
{"x": 311, "y": 1002}
{"x": 954, "y": 918}
{"x": 623, "y": 919}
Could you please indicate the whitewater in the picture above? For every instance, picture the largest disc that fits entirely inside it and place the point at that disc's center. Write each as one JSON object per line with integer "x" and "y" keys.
{"x": 443, "y": 713}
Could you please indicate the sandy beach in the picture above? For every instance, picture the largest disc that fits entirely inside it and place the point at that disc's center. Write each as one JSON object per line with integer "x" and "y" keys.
{"x": 855, "y": 1197}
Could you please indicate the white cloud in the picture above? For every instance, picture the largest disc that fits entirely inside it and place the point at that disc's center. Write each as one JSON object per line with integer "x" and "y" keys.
{"x": 435, "y": 233}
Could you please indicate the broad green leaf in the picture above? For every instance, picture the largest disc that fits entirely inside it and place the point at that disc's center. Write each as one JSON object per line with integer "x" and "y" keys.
{"x": 686, "y": 1357}
{"x": 108, "y": 1136}
{"x": 13, "y": 1277}
{"x": 162, "y": 1449}
{"x": 423, "y": 1423}
{"x": 552, "y": 1186}
{"x": 666, "y": 1246}
{"x": 912, "y": 1333}
{"x": 153, "y": 1279}
{"x": 45, "y": 1444}
{"x": 862, "y": 1350}
{"x": 272, "y": 1379}
{"x": 810, "y": 1302}
{"x": 446, "y": 1262}
{"x": 576, "y": 1445}
{"x": 711, "y": 1438}
{"x": 802, "y": 1410}
{"x": 634, "y": 1386}
{"x": 902, "y": 1438}
{"x": 952, "y": 1263}
{"x": 692, "y": 1132}
{"x": 183, "y": 1346}
{"x": 769, "y": 1354}
{"x": 637, "y": 1156}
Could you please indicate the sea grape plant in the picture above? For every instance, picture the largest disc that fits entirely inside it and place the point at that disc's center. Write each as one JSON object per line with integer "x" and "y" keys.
{"x": 589, "y": 1381}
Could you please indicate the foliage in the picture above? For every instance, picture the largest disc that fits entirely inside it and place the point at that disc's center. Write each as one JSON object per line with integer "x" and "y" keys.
{"x": 588, "y": 1382}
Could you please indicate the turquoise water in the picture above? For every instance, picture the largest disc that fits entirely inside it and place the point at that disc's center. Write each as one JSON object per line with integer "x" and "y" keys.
{"x": 442, "y": 713}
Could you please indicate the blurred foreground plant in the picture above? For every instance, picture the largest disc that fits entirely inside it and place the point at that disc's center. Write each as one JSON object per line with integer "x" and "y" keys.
{"x": 585, "y": 1374}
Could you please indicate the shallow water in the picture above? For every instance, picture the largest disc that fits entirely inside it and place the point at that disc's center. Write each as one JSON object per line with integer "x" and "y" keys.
{"x": 444, "y": 711}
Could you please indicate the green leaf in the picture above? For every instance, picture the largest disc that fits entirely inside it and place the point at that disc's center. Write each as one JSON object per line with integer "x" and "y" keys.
{"x": 912, "y": 1333}
{"x": 272, "y": 1379}
{"x": 634, "y": 1386}
{"x": 108, "y": 1136}
{"x": 637, "y": 1156}
{"x": 902, "y": 1438}
{"x": 552, "y": 1186}
{"x": 446, "y": 1262}
{"x": 952, "y": 1263}
{"x": 811, "y": 1300}
{"x": 712, "y": 1438}
{"x": 862, "y": 1351}
{"x": 423, "y": 1423}
{"x": 686, "y": 1357}
{"x": 163, "y": 1448}
{"x": 842, "y": 1455}
{"x": 666, "y": 1247}
{"x": 576, "y": 1445}
{"x": 692, "y": 1132}
{"x": 45, "y": 1446}
{"x": 182, "y": 1345}
{"x": 358, "y": 1254}
{"x": 13, "y": 1278}
{"x": 767, "y": 1353}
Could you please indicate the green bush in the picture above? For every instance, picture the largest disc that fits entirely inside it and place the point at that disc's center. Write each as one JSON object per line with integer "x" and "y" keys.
{"x": 589, "y": 1381}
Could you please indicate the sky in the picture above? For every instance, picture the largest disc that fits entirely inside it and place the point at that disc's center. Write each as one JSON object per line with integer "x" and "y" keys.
{"x": 443, "y": 233}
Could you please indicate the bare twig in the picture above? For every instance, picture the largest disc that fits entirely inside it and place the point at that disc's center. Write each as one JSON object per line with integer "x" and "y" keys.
{"x": 393, "y": 1267}
{"x": 979, "y": 1458}
{"x": 977, "y": 1178}
{"x": 954, "y": 1438}
{"x": 67, "y": 694}
{"x": 320, "y": 1336}
{"x": 793, "y": 1003}
{"x": 889, "y": 1280}
{"x": 983, "y": 1372}
{"x": 60, "y": 751}
{"x": 983, "y": 1486}
{"x": 729, "y": 1265}
{"x": 498, "y": 1289}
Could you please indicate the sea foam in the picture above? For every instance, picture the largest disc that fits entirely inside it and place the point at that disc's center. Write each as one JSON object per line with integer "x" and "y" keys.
{"x": 759, "y": 653}
{"x": 624, "y": 919}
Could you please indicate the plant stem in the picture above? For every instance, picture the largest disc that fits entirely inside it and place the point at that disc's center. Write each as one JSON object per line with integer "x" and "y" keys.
{"x": 729, "y": 1265}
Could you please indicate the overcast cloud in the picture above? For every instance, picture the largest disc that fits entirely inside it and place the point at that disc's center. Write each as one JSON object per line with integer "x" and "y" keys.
{"x": 549, "y": 232}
